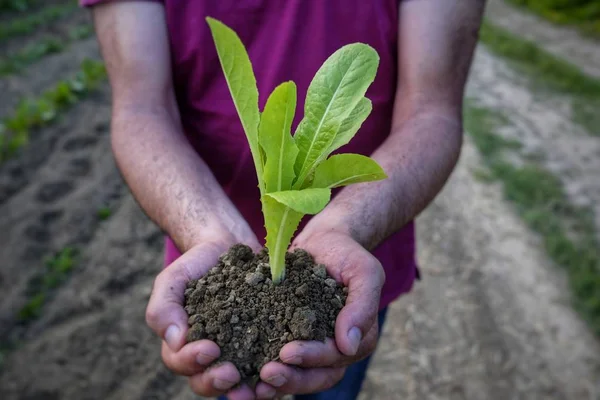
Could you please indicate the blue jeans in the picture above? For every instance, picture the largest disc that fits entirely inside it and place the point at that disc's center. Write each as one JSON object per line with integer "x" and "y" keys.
{"x": 349, "y": 387}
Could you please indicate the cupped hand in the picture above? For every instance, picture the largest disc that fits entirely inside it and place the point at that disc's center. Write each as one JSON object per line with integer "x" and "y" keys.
{"x": 309, "y": 367}
{"x": 166, "y": 316}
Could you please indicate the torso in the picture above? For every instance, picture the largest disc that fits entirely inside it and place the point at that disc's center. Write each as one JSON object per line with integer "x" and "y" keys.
{"x": 286, "y": 40}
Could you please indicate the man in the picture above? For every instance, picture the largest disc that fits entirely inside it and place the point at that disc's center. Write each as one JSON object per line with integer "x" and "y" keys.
{"x": 180, "y": 146}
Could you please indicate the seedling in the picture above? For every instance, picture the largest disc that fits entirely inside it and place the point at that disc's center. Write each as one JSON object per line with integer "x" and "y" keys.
{"x": 15, "y": 62}
{"x": 33, "y": 308}
{"x": 104, "y": 213}
{"x": 295, "y": 173}
{"x": 57, "y": 269}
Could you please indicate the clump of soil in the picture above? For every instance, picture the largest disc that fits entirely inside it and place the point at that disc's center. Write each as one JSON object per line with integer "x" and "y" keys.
{"x": 237, "y": 306}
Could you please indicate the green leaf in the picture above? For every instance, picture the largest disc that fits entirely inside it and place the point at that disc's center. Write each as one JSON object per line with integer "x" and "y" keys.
{"x": 274, "y": 136}
{"x": 242, "y": 85}
{"x": 337, "y": 88}
{"x": 305, "y": 201}
{"x": 280, "y": 222}
{"x": 346, "y": 169}
{"x": 351, "y": 124}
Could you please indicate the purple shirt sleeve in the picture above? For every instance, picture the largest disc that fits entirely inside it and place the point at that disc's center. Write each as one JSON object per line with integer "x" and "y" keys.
{"x": 89, "y": 3}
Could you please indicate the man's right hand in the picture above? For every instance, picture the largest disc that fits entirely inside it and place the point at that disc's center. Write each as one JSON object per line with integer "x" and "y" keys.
{"x": 170, "y": 181}
{"x": 166, "y": 316}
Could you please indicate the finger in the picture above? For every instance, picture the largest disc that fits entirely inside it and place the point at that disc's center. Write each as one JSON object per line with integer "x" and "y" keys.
{"x": 193, "y": 358}
{"x": 312, "y": 354}
{"x": 292, "y": 380}
{"x": 215, "y": 381}
{"x": 364, "y": 278}
{"x": 165, "y": 313}
{"x": 265, "y": 391}
{"x": 241, "y": 393}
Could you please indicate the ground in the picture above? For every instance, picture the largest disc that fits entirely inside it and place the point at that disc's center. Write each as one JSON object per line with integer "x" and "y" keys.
{"x": 491, "y": 319}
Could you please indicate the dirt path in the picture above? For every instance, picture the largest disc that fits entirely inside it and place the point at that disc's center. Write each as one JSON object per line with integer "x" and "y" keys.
{"x": 490, "y": 320}
{"x": 542, "y": 122}
{"x": 492, "y": 317}
{"x": 563, "y": 42}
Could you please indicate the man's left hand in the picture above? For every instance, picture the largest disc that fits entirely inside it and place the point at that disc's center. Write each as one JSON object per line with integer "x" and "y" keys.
{"x": 315, "y": 366}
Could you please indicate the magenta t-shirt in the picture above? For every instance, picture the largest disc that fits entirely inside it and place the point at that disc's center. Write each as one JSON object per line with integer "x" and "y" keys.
{"x": 286, "y": 40}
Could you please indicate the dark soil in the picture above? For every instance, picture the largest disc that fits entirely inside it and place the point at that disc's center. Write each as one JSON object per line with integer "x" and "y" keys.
{"x": 237, "y": 306}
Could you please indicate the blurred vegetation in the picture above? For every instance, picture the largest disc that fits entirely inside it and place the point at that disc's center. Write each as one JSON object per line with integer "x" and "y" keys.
{"x": 17, "y": 5}
{"x": 29, "y": 23}
{"x": 584, "y": 14}
{"x": 548, "y": 72}
{"x": 57, "y": 269}
{"x": 36, "y": 113}
{"x": 15, "y": 62}
{"x": 81, "y": 32}
{"x": 568, "y": 231}
{"x": 104, "y": 213}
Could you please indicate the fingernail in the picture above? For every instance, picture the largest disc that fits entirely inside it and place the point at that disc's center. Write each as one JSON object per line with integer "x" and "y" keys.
{"x": 205, "y": 358}
{"x": 221, "y": 384}
{"x": 172, "y": 337}
{"x": 268, "y": 393}
{"x": 277, "y": 380}
{"x": 354, "y": 337}
{"x": 296, "y": 359}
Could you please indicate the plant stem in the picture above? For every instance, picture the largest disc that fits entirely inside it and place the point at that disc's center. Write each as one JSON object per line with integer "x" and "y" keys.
{"x": 277, "y": 259}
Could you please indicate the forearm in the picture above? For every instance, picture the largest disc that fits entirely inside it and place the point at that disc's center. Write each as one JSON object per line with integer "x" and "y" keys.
{"x": 170, "y": 181}
{"x": 436, "y": 41}
{"x": 418, "y": 158}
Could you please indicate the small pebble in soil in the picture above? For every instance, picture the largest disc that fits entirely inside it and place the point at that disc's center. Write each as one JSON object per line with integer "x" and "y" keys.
{"x": 320, "y": 271}
{"x": 254, "y": 278}
{"x": 331, "y": 282}
{"x": 302, "y": 290}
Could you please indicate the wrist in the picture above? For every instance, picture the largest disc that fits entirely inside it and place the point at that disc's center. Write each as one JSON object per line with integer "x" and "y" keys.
{"x": 327, "y": 223}
{"x": 344, "y": 222}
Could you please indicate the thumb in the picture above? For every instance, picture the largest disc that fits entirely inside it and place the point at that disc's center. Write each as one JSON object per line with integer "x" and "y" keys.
{"x": 165, "y": 314}
{"x": 364, "y": 278}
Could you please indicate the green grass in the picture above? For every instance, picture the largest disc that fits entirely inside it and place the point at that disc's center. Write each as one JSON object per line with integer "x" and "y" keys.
{"x": 568, "y": 232}
{"x": 483, "y": 175}
{"x": 553, "y": 71}
{"x": 548, "y": 72}
{"x": 32, "y": 114}
{"x": 584, "y": 14}
{"x": 33, "y": 308}
{"x": 489, "y": 144}
{"x": 28, "y": 55}
{"x": 5, "y": 348}
{"x": 104, "y": 213}
{"x": 81, "y": 32}
{"x": 27, "y": 24}
{"x": 15, "y": 62}
{"x": 57, "y": 270}
{"x": 17, "y": 5}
